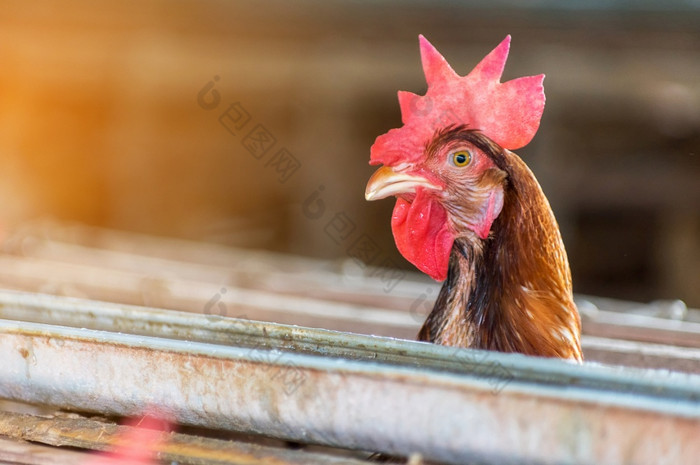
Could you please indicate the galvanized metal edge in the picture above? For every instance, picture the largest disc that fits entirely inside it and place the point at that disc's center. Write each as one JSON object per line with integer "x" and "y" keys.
{"x": 343, "y": 390}
{"x": 246, "y": 334}
{"x": 345, "y": 403}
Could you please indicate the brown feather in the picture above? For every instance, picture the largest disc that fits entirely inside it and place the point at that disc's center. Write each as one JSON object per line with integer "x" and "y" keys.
{"x": 511, "y": 292}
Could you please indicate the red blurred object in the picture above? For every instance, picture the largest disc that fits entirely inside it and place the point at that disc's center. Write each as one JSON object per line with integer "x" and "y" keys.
{"x": 137, "y": 446}
{"x": 470, "y": 212}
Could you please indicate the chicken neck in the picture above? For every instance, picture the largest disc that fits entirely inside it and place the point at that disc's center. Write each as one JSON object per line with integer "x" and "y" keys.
{"x": 511, "y": 292}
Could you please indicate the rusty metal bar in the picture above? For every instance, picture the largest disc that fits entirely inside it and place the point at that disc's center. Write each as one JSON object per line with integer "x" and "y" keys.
{"x": 141, "y": 320}
{"x": 22, "y": 453}
{"x": 643, "y": 328}
{"x": 169, "y": 273}
{"x": 88, "y": 434}
{"x": 171, "y": 292}
{"x": 641, "y": 354}
{"x": 337, "y": 280}
{"x": 342, "y": 390}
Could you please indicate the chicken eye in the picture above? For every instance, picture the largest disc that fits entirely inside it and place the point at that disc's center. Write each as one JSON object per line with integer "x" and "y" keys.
{"x": 461, "y": 158}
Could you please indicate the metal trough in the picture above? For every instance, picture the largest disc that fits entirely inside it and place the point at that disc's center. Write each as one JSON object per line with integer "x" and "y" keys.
{"x": 343, "y": 390}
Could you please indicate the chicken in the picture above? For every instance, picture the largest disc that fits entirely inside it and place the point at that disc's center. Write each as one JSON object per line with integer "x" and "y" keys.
{"x": 470, "y": 213}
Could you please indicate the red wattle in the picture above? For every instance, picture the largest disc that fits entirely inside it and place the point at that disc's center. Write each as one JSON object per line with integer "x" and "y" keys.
{"x": 422, "y": 235}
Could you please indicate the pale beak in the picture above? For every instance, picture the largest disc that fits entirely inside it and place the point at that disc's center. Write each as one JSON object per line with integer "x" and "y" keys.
{"x": 386, "y": 182}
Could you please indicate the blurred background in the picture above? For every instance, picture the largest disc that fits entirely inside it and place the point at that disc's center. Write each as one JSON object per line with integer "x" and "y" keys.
{"x": 249, "y": 123}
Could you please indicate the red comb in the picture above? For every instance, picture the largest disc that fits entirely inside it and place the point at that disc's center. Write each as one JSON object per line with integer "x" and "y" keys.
{"x": 508, "y": 113}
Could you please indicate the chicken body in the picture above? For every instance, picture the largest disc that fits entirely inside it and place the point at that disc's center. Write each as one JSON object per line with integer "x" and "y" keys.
{"x": 510, "y": 292}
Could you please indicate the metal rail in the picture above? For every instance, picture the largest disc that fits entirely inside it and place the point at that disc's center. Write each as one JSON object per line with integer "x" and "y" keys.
{"x": 357, "y": 392}
{"x": 319, "y": 298}
{"x": 22, "y": 453}
{"x": 89, "y": 434}
{"x": 338, "y": 280}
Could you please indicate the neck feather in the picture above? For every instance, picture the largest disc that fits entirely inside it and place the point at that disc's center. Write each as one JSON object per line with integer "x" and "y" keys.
{"x": 511, "y": 292}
